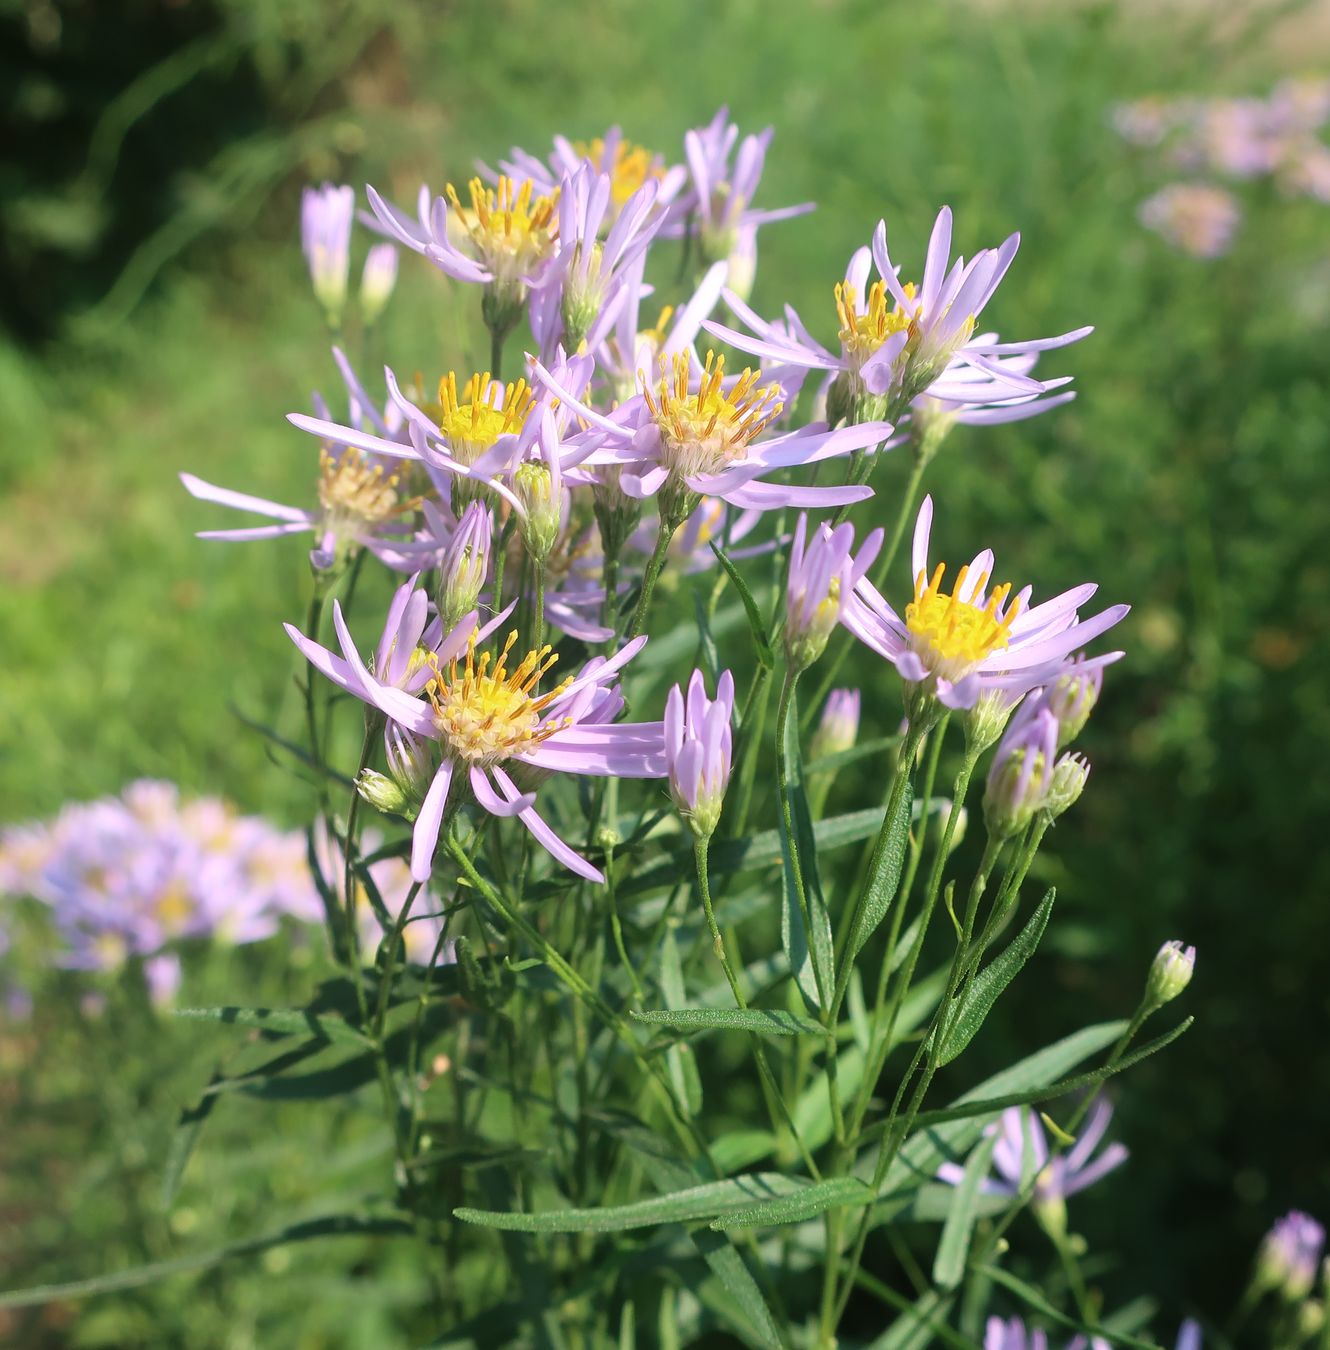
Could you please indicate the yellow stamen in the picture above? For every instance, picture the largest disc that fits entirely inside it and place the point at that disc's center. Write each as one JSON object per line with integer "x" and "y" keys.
{"x": 954, "y": 630}
{"x": 632, "y": 166}
{"x": 484, "y": 411}
{"x": 504, "y": 226}
{"x": 355, "y": 490}
{"x": 488, "y": 713}
{"x": 704, "y": 431}
{"x": 861, "y": 334}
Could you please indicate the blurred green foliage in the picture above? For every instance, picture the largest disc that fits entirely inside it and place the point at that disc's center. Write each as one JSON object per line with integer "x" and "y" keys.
{"x": 150, "y": 228}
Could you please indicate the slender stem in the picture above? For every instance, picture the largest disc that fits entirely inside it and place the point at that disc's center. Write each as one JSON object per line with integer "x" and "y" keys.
{"x": 780, "y": 1113}
{"x": 573, "y": 981}
{"x": 609, "y": 608}
{"x": 497, "y": 336}
{"x": 538, "y": 605}
{"x": 655, "y": 562}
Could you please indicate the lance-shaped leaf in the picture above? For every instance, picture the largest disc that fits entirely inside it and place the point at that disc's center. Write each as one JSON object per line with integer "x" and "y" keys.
{"x": 954, "y": 1244}
{"x": 805, "y": 925}
{"x": 763, "y": 1021}
{"x": 888, "y": 861}
{"x": 993, "y": 979}
{"x": 281, "y": 1021}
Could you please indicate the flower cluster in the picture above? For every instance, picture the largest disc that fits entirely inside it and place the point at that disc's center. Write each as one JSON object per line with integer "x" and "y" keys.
{"x": 1277, "y": 137}
{"x": 130, "y": 878}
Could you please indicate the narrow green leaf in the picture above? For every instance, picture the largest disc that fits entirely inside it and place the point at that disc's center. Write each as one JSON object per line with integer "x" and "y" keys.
{"x": 954, "y": 1245}
{"x": 807, "y": 1202}
{"x": 886, "y": 878}
{"x": 332, "y": 1225}
{"x": 810, "y": 952}
{"x": 1035, "y": 1299}
{"x": 682, "y": 1064}
{"x": 737, "y": 1281}
{"x": 919, "y": 1324}
{"x": 993, "y": 979}
{"x": 689, "y": 1205}
{"x": 765, "y": 1021}
{"x": 764, "y": 653}
{"x": 185, "y": 1138}
{"x": 280, "y": 1021}
{"x": 709, "y": 658}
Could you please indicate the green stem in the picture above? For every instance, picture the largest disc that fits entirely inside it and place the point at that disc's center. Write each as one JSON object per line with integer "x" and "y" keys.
{"x": 655, "y": 562}
{"x": 781, "y": 1119}
{"x": 497, "y": 336}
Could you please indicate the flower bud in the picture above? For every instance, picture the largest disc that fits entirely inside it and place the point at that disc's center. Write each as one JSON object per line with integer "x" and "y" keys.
{"x": 987, "y": 720}
{"x": 1069, "y": 777}
{"x": 821, "y": 575}
{"x": 839, "y": 727}
{"x": 1289, "y": 1254}
{"x": 382, "y": 793}
{"x": 582, "y": 297}
{"x": 1022, "y": 773}
{"x": 698, "y": 746}
{"x": 465, "y": 564}
{"x": 542, "y": 509}
{"x": 377, "y": 282}
{"x": 1170, "y": 973}
{"x": 325, "y": 236}
{"x": 1071, "y": 699}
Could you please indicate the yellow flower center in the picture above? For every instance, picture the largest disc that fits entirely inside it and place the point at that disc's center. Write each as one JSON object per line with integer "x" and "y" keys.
{"x": 633, "y": 165}
{"x": 174, "y": 909}
{"x": 704, "y": 431}
{"x": 505, "y": 228}
{"x": 352, "y": 489}
{"x": 861, "y": 334}
{"x": 958, "y": 635}
{"x": 485, "y": 411}
{"x": 486, "y": 712}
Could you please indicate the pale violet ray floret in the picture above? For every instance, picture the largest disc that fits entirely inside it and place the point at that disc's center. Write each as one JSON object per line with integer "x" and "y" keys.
{"x": 1022, "y": 1152}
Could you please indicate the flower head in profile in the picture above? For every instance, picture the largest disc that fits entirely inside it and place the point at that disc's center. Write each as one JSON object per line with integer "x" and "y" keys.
{"x": 823, "y": 573}
{"x": 488, "y": 718}
{"x": 326, "y": 214}
{"x": 1022, "y": 1152}
{"x": 724, "y": 171}
{"x": 1012, "y": 1335}
{"x": 898, "y": 340}
{"x": 698, "y": 747}
{"x": 958, "y": 641}
{"x": 377, "y": 281}
{"x": 1289, "y": 1255}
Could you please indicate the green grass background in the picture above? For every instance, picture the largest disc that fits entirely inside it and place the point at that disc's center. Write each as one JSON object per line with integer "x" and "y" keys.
{"x": 161, "y": 320}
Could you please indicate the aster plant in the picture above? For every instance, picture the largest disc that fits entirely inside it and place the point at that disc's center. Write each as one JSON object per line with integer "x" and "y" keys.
{"x": 693, "y": 1050}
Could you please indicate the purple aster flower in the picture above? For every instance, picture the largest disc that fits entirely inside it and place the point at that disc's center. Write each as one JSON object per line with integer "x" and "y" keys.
{"x": 823, "y": 573}
{"x": 487, "y": 719}
{"x": 629, "y": 167}
{"x": 325, "y": 236}
{"x": 1289, "y": 1255}
{"x": 1022, "y": 1152}
{"x": 722, "y": 184}
{"x": 361, "y": 500}
{"x": 1198, "y": 218}
{"x": 377, "y": 281}
{"x": 504, "y": 240}
{"x": 898, "y": 341}
{"x": 957, "y": 646}
{"x": 696, "y": 434}
{"x": 464, "y": 563}
{"x": 1021, "y": 775}
{"x": 162, "y": 975}
{"x": 698, "y": 746}
{"x": 582, "y": 292}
